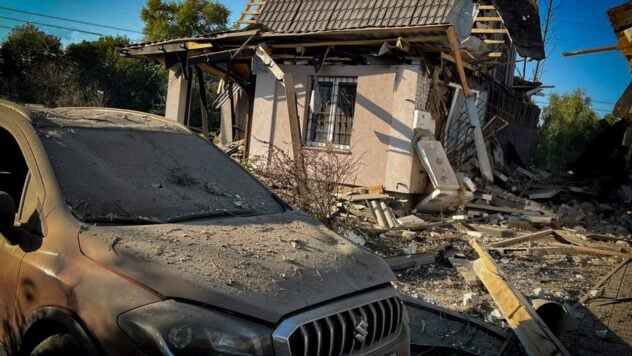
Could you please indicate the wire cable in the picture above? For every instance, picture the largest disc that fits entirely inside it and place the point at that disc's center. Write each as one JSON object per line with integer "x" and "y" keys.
{"x": 56, "y": 26}
{"x": 69, "y": 20}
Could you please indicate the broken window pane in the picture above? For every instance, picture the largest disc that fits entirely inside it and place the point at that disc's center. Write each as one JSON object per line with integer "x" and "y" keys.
{"x": 344, "y": 113}
{"x": 331, "y": 111}
{"x": 321, "y": 112}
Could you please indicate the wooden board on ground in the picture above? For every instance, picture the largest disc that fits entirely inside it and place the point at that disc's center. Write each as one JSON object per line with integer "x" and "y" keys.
{"x": 529, "y": 237}
{"x": 502, "y": 209}
{"x": 464, "y": 267}
{"x": 398, "y": 263}
{"x": 533, "y": 333}
{"x": 362, "y": 197}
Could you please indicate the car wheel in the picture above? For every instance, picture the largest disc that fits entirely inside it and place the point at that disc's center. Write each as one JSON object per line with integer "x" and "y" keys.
{"x": 58, "y": 345}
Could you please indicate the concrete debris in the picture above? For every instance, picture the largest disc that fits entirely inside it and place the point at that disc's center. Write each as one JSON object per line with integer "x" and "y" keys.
{"x": 595, "y": 293}
{"x": 354, "y": 237}
{"x": 411, "y": 249}
{"x": 471, "y": 300}
{"x": 408, "y": 235}
{"x": 410, "y": 220}
{"x": 553, "y": 236}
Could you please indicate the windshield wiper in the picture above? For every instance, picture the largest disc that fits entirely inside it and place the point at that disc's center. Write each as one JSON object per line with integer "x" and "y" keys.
{"x": 123, "y": 220}
{"x": 213, "y": 214}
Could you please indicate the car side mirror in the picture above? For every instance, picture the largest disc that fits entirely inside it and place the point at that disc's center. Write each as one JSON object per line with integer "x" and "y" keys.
{"x": 7, "y": 215}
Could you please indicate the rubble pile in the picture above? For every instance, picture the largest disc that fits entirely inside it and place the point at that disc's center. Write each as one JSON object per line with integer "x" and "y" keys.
{"x": 551, "y": 236}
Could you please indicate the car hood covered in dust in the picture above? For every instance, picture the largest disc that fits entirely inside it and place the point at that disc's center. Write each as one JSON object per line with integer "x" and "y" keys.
{"x": 262, "y": 266}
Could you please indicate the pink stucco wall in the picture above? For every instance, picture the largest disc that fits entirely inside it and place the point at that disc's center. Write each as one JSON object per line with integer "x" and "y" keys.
{"x": 382, "y": 127}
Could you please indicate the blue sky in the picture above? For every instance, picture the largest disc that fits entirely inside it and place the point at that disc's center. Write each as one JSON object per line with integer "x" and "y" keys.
{"x": 580, "y": 24}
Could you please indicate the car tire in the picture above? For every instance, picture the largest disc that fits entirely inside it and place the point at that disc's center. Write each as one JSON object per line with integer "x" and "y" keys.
{"x": 58, "y": 345}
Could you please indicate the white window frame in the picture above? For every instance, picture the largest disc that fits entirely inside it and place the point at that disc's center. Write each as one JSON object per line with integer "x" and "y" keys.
{"x": 335, "y": 81}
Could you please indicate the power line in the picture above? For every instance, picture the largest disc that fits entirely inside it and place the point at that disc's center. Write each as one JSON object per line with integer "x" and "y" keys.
{"x": 56, "y": 26}
{"x": 593, "y": 109}
{"x": 584, "y": 23}
{"x": 69, "y": 20}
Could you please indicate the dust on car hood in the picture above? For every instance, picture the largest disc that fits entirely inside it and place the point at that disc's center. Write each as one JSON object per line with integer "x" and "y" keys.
{"x": 263, "y": 266}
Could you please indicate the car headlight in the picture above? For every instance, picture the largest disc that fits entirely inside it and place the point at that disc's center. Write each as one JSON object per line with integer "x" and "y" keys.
{"x": 172, "y": 328}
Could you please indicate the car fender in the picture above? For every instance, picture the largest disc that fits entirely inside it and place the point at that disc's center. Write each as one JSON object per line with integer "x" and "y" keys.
{"x": 47, "y": 321}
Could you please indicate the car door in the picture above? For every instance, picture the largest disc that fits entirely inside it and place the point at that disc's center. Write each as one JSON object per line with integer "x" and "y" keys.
{"x": 13, "y": 177}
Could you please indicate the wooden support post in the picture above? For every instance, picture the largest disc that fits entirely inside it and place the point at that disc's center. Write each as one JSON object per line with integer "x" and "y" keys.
{"x": 203, "y": 102}
{"x": 533, "y": 333}
{"x": 290, "y": 95}
{"x": 292, "y": 110}
{"x": 456, "y": 52}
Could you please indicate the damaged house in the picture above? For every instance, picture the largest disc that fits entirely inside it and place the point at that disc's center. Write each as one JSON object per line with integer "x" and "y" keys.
{"x": 415, "y": 88}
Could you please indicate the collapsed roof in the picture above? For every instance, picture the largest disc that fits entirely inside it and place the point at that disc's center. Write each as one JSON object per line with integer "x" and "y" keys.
{"x": 521, "y": 18}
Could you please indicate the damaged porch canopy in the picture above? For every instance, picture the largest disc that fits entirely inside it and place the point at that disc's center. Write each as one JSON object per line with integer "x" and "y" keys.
{"x": 469, "y": 38}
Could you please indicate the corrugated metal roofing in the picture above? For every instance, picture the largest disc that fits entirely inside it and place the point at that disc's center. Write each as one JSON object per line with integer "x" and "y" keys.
{"x": 293, "y": 16}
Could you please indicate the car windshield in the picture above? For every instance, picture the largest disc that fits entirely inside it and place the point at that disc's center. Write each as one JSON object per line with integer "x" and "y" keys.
{"x": 131, "y": 175}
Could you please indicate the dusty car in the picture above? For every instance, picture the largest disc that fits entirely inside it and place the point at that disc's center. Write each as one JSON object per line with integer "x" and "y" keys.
{"x": 124, "y": 233}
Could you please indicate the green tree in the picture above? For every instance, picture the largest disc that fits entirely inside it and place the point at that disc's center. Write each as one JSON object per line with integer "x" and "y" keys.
{"x": 170, "y": 19}
{"x": 110, "y": 80}
{"x": 31, "y": 65}
{"x": 610, "y": 118}
{"x": 568, "y": 125}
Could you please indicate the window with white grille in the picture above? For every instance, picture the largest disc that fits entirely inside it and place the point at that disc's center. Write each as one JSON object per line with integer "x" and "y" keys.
{"x": 331, "y": 111}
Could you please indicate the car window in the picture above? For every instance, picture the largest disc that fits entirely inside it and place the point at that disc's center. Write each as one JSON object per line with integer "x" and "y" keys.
{"x": 149, "y": 175}
{"x": 13, "y": 168}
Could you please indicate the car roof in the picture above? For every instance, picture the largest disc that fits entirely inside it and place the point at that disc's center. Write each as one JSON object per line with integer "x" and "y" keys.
{"x": 90, "y": 117}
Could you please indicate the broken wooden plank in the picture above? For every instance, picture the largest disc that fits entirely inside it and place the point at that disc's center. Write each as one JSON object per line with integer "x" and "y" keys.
{"x": 563, "y": 249}
{"x": 541, "y": 220}
{"x": 292, "y": 107}
{"x": 489, "y": 19}
{"x": 601, "y": 282}
{"x": 533, "y": 333}
{"x": 493, "y": 231}
{"x": 604, "y": 237}
{"x": 456, "y": 53}
{"x": 464, "y": 267}
{"x": 502, "y": 209}
{"x": 489, "y": 31}
{"x": 570, "y": 238}
{"x": 593, "y": 250}
{"x": 516, "y": 240}
{"x": 362, "y": 197}
{"x": 544, "y": 194}
{"x": 373, "y": 189}
{"x": 399, "y": 263}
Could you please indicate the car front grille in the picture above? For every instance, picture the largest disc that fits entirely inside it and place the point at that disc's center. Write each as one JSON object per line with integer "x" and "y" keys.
{"x": 353, "y": 326}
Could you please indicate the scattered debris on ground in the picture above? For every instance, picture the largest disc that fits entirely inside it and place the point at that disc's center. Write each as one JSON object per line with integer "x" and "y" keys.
{"x": 546, "y": 238}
